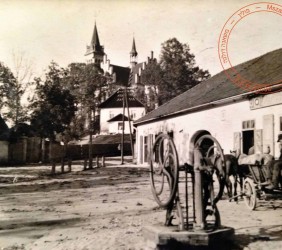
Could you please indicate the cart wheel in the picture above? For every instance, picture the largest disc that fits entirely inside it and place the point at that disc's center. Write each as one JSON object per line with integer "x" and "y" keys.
{"x": 250, "y": 194}
{"x": 164, "y": 170}
{"x": 215, "y": 148}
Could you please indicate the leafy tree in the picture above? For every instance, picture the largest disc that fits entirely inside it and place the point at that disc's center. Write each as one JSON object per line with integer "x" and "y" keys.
{"x": 174, "y": 74}
{"x": 180, "y": 72}
{"x": 89, "y": 86}
{"x": 73, "y": 82}
{"x": 152, "y": 78}
{"x": 53, "y": 105}
{"x": 7, "y": 83}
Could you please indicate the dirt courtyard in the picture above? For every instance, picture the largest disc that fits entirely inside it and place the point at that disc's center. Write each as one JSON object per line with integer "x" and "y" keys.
{"x": 106, "y": 208}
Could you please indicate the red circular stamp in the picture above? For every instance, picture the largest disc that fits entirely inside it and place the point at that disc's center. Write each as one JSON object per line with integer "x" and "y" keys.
{"x": 229, "y": 70}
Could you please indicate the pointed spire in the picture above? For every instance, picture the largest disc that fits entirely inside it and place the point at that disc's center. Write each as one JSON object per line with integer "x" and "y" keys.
{"x": 133, "y": 51}
{"x": 95, "y": 38}
{"x": 95, "y": 51}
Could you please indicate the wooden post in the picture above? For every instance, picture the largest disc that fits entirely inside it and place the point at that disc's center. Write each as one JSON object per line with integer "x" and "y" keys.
{"x": 90, "y": 140}
{"x": 69, "y": 165}
{"x": 97, "y": 162}
{"x": 53, "y": 168}
{"x": 85, "y": 164}
{"x": 63, "y": 166}
{"x": 199, "y": 209}
{"x": 129, "y": 122}
{"x": 122, "y": 136}
{"x": 103, "y": 162}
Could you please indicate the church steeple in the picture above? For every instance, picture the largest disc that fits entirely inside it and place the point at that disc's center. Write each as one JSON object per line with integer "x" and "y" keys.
{"x": 95, "y": 43}
{"x": 133, "y": 55}
{"x": 95, "y": 51}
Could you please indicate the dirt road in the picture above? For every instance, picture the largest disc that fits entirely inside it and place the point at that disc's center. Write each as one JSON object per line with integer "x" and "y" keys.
{"x": 106, "y": 208}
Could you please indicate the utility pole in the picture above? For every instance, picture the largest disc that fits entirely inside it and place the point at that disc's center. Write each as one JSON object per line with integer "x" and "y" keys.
{"x": 129, "y": 122}
{"x": 90, "y": 139}
{"x": 122, "y": 135}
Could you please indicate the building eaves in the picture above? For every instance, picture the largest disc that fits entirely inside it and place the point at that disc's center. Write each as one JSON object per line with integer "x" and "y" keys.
{"x": 264, "y": 69}
{"x": 116, "y": 100}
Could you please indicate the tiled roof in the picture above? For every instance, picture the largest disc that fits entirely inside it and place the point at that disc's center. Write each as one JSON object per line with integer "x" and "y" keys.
{"x": 110, "y": 139}
{"x": 118, "y": 118}
{"x": 122, "y": 74}
{"x": 264, "y": 69}
{"x": 116, "y": 100}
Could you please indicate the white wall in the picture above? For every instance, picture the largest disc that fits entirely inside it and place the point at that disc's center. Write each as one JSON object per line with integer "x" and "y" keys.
{"x": 113, "y": 127}
{"x": 105, "y": 116}
{"x": 221, "y": 122}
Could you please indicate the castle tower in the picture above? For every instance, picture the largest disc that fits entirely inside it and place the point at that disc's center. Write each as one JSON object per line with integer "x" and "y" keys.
{"x": 133, "y": 55}
{"x": 94, "y": 52}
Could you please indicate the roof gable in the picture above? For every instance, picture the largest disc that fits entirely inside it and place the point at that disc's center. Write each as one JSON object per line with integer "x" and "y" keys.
{"x": 134, "y": 71}
{"x": 121, "y": 75}
{"x": 264, "y": 69}
{"x": 118, "y": 118}
{"x": 116, "y": 101}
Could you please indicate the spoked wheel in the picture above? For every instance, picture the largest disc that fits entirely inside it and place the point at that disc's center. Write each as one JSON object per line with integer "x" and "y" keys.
{"x": 216, "y": 157}
{"x": 164, "y": 170}
{"x": 250, "y": 194}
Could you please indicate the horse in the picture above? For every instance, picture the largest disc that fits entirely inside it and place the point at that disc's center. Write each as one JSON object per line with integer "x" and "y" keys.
{"x": 231, "y": 169}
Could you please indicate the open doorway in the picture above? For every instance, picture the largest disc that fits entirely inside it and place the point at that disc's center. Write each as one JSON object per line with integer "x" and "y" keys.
{"x": 248, "y": 140}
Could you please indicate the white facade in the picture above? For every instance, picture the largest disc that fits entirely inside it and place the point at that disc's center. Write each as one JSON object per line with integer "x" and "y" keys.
{"x": 230, "y": 124}
{"x": 108, "y": 113}
{"x": 116, "y": 127}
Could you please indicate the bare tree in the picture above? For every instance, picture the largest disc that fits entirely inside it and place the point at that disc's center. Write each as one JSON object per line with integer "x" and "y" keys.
{"x": 17, "y": 101}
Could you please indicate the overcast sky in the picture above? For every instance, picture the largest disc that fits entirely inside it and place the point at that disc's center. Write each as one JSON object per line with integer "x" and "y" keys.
{"x": 60, "y": 30}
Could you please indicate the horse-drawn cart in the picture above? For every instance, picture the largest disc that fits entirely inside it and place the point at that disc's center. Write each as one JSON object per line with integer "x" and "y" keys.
{"x": 255, "y": 181}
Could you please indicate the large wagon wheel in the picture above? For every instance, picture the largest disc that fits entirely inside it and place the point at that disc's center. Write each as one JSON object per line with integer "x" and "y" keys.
{"x": 164, "y": 170}
{"x": 215, "y": 151}
{"x": 250, "y": 193}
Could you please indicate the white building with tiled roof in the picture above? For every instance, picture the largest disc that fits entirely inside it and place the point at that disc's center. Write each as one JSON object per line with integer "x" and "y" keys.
{"x": 111, "y": 112}
{"x": 237, "y": 117}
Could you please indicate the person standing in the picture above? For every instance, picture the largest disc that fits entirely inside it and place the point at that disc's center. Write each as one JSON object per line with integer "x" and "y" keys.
{"x": 275, "y": 168}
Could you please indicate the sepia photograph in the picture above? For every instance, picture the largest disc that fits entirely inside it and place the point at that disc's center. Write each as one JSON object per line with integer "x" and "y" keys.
{"x": 140, "y": 125}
